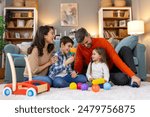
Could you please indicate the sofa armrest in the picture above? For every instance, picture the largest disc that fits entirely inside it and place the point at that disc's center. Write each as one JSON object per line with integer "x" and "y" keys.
{"x": 139, "y": 53}
{"x": 11, "y": 48}
{"x": 19, "y": 64}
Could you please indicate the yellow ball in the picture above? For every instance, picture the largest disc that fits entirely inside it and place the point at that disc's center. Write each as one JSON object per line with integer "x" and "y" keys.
{"x": 73, "y": 85}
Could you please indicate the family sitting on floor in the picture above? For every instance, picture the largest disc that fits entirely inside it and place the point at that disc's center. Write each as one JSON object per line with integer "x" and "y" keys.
{"x": 94, "y": 58}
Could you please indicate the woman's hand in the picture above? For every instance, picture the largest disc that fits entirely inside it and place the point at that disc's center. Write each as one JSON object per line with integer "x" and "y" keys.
{"x": 73, "y": 74}
{"x": 53, "y": 60}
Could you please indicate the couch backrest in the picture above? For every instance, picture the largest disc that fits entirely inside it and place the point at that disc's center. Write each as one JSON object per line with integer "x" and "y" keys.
{"x": 11, "y": 48}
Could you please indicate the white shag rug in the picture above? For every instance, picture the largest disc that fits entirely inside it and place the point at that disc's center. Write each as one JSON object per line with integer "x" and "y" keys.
{"x": 116, "y": 93}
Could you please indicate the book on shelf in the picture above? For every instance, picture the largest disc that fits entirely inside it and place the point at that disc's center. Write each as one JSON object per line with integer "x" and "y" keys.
{"x": 109, "y": 34}
{"x": 29, "y": 23}
{"x": 126, "y": 14}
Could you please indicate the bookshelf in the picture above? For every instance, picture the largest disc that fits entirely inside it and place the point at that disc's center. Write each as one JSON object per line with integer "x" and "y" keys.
{"x": 21, "y": 24}
{"x": 113, "y": 22}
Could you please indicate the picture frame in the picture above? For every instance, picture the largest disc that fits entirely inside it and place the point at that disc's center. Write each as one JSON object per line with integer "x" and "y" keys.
{"x": 20, "y": 23}
{"x": 69, "y": 14}
{"x": 17, "y": 35}
{"x": 122, "y": 23}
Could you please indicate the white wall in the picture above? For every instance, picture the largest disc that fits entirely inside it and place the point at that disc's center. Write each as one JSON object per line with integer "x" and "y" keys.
{"x": 141, "y": 10}
{"x": 49, "y": 13}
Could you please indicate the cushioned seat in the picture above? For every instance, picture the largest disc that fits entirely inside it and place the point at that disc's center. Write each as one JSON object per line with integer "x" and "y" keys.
{"x": 19, "y": 62}
{"x": 135, "y": 60}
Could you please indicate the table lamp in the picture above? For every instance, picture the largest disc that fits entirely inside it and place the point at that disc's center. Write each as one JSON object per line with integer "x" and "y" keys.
{"x": 135, "y": 27}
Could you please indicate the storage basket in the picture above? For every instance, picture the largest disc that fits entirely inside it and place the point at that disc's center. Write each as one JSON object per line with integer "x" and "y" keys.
{"x": 18, "y": 3}
{"x": 106, "y": 3}
{"x": 31, "y": 3}
{"x": 119, "y": 3}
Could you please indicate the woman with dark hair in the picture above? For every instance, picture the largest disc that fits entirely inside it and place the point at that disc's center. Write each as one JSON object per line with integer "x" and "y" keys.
{"x": 40, "y": 54}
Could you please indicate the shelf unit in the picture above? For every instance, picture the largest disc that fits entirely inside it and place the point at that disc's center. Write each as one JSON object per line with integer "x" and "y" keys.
{"x": 21, "y": 24}
{"x": 113, "y": 22}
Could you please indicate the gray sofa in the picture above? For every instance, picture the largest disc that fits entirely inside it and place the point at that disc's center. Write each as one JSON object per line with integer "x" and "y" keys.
{"x": 138, "y": 51}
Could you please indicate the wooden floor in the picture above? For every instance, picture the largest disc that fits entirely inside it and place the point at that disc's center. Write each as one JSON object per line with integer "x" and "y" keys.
{"x": 148, "y": 79}
{"x": 1, "y": 80}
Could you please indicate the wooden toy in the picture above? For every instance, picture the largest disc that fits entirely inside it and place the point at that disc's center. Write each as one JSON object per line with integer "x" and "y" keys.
{"x": 29, "y": 88}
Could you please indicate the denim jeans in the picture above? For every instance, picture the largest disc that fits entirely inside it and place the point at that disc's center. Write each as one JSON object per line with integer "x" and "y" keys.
{"x": 60, "y": 82}
{"x": 42, "y": 78}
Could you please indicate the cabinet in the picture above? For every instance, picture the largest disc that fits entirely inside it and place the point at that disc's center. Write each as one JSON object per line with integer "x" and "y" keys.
{"x": 21, "y": 24}
{"x": 113, "y": 22}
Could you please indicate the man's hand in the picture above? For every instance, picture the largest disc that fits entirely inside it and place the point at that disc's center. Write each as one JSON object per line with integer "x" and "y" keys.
{"x": 136, "y": 79}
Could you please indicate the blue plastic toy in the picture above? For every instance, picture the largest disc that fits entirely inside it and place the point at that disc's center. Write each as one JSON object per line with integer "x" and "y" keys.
{"x": 107, "y": 86}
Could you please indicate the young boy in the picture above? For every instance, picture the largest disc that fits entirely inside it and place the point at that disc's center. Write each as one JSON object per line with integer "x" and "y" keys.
{"x": 61, "y": 72}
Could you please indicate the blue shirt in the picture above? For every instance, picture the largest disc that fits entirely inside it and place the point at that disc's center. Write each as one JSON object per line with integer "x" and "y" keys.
{"x": 59, "y": 66}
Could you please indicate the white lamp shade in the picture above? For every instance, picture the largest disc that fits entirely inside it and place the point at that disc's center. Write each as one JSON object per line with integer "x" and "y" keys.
{"x": 135, "y": 27}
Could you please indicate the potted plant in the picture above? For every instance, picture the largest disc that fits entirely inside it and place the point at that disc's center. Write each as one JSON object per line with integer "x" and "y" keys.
{"x": 2, "y": 44}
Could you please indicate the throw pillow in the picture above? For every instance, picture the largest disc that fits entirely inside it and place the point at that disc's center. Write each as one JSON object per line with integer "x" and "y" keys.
{"x": 24, "y": 47}
{"x": 130, "y": 41}
{"x": 113, "y": 42}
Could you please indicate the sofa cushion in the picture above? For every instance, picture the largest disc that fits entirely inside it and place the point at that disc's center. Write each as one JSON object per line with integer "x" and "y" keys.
{"x": 19, "y": 62}
{"x": 113, "y": 42}
{"x": 130, "y": 41}
{"x": 135, "y": 61}
{"x": 11, "y": 48}
{"x": 24, "y": 47}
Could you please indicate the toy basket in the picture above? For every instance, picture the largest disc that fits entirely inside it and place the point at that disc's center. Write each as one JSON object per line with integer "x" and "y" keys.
{"x": 119, "y": 3}
{"x": 18, "y": 3}
{"x": 31, "y": 3}
{"x": 106, "y": 3}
